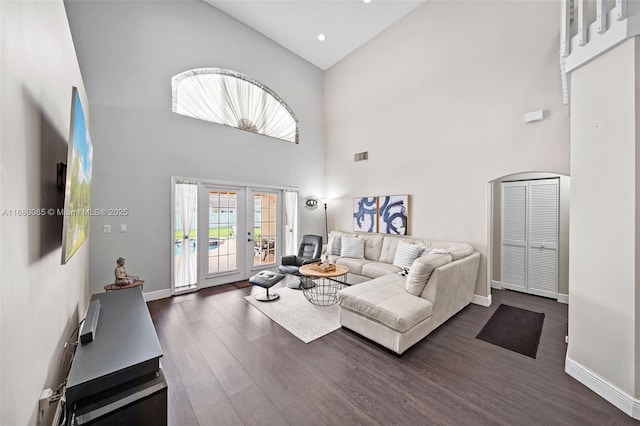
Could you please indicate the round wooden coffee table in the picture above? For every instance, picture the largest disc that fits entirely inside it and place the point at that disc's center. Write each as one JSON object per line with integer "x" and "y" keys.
{"x": 320, "y": 287}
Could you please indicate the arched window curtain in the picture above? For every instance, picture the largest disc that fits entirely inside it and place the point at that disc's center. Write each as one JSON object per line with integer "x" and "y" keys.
{"x": 235, "y": 100}
{"x": 291, "y": 221}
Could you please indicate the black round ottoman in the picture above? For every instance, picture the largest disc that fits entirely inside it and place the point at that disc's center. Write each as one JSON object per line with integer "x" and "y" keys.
{"x": 266, "y": 279}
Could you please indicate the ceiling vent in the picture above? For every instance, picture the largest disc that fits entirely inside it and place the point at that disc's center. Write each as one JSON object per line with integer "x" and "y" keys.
{"x": 361, "y": 156}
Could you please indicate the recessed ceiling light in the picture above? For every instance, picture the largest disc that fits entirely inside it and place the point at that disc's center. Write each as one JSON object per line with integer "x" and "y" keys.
{"x": 367, "y": 1}
{"x": 322, "y": 37}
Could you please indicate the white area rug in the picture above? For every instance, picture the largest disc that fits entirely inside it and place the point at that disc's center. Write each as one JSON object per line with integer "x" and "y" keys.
{"x": 299, "y": 316}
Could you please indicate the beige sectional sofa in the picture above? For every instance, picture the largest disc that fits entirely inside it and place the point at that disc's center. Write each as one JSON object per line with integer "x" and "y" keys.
{"x": 397, "y": 310}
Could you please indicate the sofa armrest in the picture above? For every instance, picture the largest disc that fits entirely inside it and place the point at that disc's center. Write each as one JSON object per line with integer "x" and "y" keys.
{"x": 451, "y": 287}
{"x": 289, "y": 260}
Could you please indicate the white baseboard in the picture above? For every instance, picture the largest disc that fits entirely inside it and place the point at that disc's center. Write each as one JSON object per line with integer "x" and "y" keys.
{"x": 481, "y": 300}
{"x": 607, "y": 390}
{"x": 562, "y": 298}
{"x": 155, "y": 295}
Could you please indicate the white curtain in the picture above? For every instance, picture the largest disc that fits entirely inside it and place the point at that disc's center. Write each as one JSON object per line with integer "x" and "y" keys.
{"x": 233, "y": 99}
{"x": 291, "y": 221}
{"x": 186, "y": 202}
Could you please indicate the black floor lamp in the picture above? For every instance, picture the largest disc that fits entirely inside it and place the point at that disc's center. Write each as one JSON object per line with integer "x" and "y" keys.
{"x": 325, "y": 201}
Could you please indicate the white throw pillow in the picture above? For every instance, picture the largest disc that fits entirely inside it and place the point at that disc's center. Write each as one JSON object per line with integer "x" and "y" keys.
{"x": 352, "y": 247}
{"x": 421, "y": 270}
{"x": 333, "y": 246}
{"x": 405, "y": 254}
{"x": 459, "y": 251}
{"x": 425, "y": 250}
{"x": 439, "y": 251}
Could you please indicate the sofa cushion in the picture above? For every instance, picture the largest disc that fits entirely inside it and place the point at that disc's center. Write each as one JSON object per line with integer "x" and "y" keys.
{"x": 388, "y": 252}
{"x": 421, "y": 270}
{"x": 372, "y": 247}
{"x": 354, "y": 265}
{"x": 352, "y": 247}
{"x": 406, "y": 253}
{"x": 333, "y": 246}
{"x": 385, "y": 300}
{"x": 378, "y": 269}
{"x": 460, "y": 250}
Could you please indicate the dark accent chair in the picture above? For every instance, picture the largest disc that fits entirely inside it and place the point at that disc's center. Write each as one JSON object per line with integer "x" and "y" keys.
{"x": 309, "y": 252}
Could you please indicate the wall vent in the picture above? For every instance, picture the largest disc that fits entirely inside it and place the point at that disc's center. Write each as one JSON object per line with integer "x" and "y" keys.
{"x": 361, "y": 156}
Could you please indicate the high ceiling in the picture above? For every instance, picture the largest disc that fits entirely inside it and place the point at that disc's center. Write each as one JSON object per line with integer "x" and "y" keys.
{"x": 296, "y": 24}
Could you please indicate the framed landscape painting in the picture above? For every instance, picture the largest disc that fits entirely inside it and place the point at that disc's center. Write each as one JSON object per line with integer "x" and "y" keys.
{"x": 393, "y": 214}
{"x": 77, "y": 197}
{"x": 365, "y": 218}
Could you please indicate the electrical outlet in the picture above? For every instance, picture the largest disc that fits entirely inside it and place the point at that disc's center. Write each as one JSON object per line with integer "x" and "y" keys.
{"x": 106, "y": 229}
{"x": 123, "y": 227}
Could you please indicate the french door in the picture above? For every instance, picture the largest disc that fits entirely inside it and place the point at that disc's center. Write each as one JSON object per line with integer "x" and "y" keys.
{"x": 224, "y": 233}
{"x": 222, "y": 214}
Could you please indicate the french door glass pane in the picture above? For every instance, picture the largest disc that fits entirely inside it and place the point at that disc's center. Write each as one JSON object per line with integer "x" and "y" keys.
{"x": 264, "y": 228}
{"x": 222, "y": 252}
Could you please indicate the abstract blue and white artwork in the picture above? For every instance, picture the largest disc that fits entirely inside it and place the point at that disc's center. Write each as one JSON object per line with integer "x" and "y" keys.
{"x": 393, "y": 214}
{"x": 364, "y": 214}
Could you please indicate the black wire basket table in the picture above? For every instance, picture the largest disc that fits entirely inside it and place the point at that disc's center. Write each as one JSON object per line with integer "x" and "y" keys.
{"x": 320, "y": 286}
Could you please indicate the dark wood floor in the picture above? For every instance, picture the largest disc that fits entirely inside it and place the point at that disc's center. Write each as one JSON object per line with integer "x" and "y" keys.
{"x": 228, "y": 364}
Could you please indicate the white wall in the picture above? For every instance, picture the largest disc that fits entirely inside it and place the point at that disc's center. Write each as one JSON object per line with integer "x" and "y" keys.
{"x": 438, "y": 101}
{"x": 128, "y": 52}
{"x": 603, "y": 225}
{"x": 41, "y": 300}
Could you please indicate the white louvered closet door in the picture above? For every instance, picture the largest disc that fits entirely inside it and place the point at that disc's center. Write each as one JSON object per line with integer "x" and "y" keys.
{"x": 530, "y": 236}
{"x": 514, "y": 235}
{"x": 542, "y": 276}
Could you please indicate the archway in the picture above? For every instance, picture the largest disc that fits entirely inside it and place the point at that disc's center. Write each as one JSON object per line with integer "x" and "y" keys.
{"x": 494, "y": 226}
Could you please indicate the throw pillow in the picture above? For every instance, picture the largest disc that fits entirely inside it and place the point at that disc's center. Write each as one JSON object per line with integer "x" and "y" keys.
{"x": 459, "y": 251}
{"x": 425, "y": 250}
{"x": 352, "y": 247}
{"x": 405, "y": 254}
{"x": 333, "y": 246}
{"x": 439, "y": 251}
{"x": 421, "y": 270}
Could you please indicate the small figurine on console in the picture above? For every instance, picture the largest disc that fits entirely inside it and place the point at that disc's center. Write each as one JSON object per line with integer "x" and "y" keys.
{"x": 122, "y": 278}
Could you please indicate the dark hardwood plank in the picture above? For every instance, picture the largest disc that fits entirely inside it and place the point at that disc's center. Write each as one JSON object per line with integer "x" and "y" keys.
{"x": 227, "y": 363}
{"x": 181, "y": 355}
{"x": 180, "y": 410}
{"x": 232, "y": 376}
{"x": 211, "y": 404}
{"x": 262, "y": 371}
{"x": 254, "y": 408}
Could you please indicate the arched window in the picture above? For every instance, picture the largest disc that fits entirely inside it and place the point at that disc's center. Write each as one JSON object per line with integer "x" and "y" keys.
{"x": 235, "y": 100}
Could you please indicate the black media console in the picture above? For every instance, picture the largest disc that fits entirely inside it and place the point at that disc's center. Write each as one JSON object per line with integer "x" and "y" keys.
{"x": 116, "y": 378}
